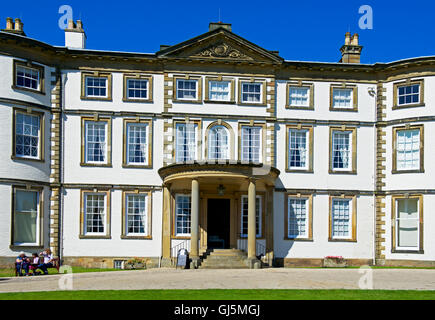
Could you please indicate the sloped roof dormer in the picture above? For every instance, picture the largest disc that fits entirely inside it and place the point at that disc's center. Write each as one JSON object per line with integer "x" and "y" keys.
{"x": 220, "y": 44}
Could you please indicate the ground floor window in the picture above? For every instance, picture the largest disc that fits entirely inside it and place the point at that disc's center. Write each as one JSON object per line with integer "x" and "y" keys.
{"x": 182, "y": 215}
{"x": 137, "y": 214}
{"x": 244, "y": 216}
{"x": 26, "y": 218}
{"x": 298, "y": 218}
{"x": 408, "y": 222}
{"x": 95, "y": 220}
{"x": 342, "y": 218}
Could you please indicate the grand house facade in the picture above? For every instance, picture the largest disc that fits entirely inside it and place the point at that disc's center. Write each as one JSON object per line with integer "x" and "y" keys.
{"x": 214, "y": 143}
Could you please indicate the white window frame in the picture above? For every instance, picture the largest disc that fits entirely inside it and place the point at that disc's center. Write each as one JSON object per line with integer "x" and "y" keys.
{"x": 147, "y": 89}
{"x": 210, "y": 91}
{"x": 87, "y": 122}
{"x": 296, "y": 89}
{"x": 261, "y": 84}
{"x": 145, "y": 146}
{"x": 307, "y": 148}
{"x": 177, "y": 196}
{"x": 106, "y": 81}
{"x": 40, "y": 119}
{"x": 258, "y": 216}
{"x": 350, "y": 221}
{"x": 194, "y": 145}
{"x": 260, "y": 147}
{"x": 38, "y": 218}
{"x": 85, "y": 214}
{"x": 38, "y": 80}
{"x": 350, "y": 151}
{"x": 196, "y": 81}
{"x": 145, "y": 214}
{"x": 223, "y": 149}
{"x": 397, "y": 220}
{"x": 406, "y": 143}
{"x": 335, "y": 100}
{"x": 290, "y": 221}
{"x": 408, "y": 94}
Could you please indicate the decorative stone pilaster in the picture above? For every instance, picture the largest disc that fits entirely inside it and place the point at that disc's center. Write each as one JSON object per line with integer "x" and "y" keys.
{"x": 380, "y": 175}
{"x": 168, "y": 91}
{"x": 271, "y": 97}
{"x": 168, "y": 142}
{"x": 55, "y": 161}
{"x": 270, "y": 144}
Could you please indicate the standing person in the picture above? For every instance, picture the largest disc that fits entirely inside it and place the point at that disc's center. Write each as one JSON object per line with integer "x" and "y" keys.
{"x": 22, "y": 263}
{"x": 48, "y": 261}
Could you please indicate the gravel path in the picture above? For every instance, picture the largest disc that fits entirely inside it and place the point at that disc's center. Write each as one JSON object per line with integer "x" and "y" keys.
{"x": 388, "y": 279}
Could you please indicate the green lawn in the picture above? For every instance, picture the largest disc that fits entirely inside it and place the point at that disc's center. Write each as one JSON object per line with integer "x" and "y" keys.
{"x": 11, "y": 273}
{"x": 224, "y": 295}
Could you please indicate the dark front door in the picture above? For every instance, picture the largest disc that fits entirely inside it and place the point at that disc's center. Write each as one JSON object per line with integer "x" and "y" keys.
{"x": 218, "y": 224}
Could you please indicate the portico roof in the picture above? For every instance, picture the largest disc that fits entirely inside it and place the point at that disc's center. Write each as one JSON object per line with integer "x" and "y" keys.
{"x": 221, "y": 170}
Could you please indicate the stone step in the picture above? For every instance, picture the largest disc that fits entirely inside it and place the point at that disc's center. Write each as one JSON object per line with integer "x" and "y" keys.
{"x": 225, "y": 259}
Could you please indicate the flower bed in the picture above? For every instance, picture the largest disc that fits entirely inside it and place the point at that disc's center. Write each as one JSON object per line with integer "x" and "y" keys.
{"x": 334, "y": 262}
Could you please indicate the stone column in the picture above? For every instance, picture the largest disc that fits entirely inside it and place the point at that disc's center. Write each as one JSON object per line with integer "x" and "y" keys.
{"x": 166, "y": 227}
{"x": 194, "y": 220}
{"x": 252, "y": 233}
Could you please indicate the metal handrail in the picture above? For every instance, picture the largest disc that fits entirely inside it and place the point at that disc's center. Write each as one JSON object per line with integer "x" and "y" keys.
{"x": 175, "y": 249}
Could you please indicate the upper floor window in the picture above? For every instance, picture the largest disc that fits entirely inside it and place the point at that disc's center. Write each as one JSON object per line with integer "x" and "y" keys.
{"x": 28, "y": 135}
{"x": 299, "y": 152}
{"x": 96, "y": 142}
{"x": 244, "y": 217}
{"x": 343, "y": 149}
{"x": 138, "y": 88}
{"x": 96, "y": 86}
{"x": 137, "y": 143}
{"x": 344, "y": 98}
{"x": 408, "y": 149}
{"x": 28, "y": 76}
{"x": 299, "y": 96}
{"x": 27, "y": 215}
{"x": 219, "y": 91}
{"x": 219, "y": 143}
{"x": 408, "y": 94}
{"x": 186, "y": 142}
{"x": 251, "y": 143}
{"x": 252, "y": 92}
{"x": 182, "y": 215}
{"x": 187, "y": 89}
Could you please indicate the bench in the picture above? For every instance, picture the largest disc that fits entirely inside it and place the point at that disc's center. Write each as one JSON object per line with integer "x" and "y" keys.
{"x": 56, "y": 265}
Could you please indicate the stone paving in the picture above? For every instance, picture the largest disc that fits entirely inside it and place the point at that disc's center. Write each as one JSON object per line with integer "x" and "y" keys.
{"x": 388, "y": 279}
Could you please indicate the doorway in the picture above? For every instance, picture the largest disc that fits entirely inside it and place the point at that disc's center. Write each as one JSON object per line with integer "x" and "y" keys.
{"x": 218, "y": 223}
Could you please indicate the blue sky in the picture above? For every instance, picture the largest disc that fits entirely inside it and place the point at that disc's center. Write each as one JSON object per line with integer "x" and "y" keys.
{"x": 300, "y": 30}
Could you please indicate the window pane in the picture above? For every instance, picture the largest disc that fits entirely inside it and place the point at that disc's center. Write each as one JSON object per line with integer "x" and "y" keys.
{"x": 96, "y": 87}
{"x": 27, "y": 78}
{"x": 341, "y": 150}
{"x": 299, "y": 96}
{"x": 186, "y": 142}
{"x": 26, "y": 216}
{"x": 183, "y": 214}
{"x": 136, "y": 214}
{"x": 408, "y": 94}
{"x": 218, "y": 143}
{"x": 298, "y": 149}
{"x": 251, "y": 144}
{"x": 408, "y": 223}
{"x": 95, "y": 211}
{"x": 137, "y": 146}
{"x": 251, "y": 92}
{"x": 137, "y": 89}
{"x": 244, "y": 216}
{"x": 297, "y": 218}
{"x": 342, "y": 98}
{"x": 219, "y": 90}
{"x": 186, "y": 89}
{"x": 408, "y": 149}
{"x": 341, "y": 218}
{"x": 27, "y": 130}
{"x": 96, "y": 141}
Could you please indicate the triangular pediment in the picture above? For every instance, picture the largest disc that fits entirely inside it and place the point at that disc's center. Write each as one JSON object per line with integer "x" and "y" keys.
{"x": 220, "y": 44}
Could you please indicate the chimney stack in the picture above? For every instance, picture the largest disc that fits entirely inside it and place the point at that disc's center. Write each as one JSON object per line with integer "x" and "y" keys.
{"x": 14, "y": 27}
{"x": 215, "y": 25}
{"x": 75, "y": 37}
{"x": 351, "y": 51}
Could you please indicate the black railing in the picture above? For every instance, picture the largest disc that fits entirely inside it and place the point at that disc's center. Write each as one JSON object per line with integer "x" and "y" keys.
{"x": 175, "y": 249}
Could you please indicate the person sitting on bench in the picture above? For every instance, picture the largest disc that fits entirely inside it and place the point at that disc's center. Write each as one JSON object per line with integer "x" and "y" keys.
{"x": 48, "y": 261}
{"x": 22, "y": 263}
{"x": 34, "y": 264}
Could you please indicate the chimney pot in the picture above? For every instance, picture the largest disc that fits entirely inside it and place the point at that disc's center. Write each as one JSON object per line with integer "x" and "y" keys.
{"x": 18, "y": 25}
{"x": 71, "y": 25}
{"x": 347, "y": 38}
{"x": 351, "y": 50}
{"x": 9, "y": 24}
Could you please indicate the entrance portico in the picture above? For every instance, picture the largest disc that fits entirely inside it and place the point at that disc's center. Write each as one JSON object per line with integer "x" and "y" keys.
{"x": 237, "y": 183}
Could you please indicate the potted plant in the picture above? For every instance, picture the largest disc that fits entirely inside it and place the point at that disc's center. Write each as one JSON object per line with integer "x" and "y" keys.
{"x": 135, "y": 263}
{"x": 334, "y": 262}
